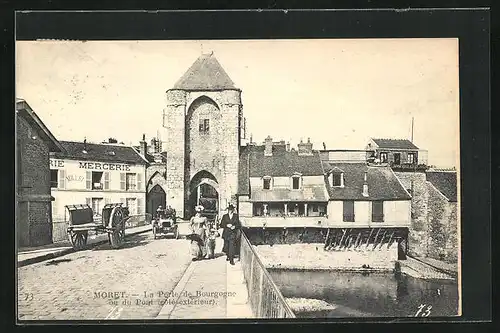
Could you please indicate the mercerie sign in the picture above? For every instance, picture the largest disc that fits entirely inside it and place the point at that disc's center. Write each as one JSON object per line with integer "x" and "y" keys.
{"x": 93, "y": 165}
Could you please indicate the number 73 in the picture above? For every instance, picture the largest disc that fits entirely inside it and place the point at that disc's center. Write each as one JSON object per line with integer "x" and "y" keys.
{"x": 422, "y": 312}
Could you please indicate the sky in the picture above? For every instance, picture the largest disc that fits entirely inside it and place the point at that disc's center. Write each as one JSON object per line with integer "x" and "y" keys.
{"x": 337, "y": 91}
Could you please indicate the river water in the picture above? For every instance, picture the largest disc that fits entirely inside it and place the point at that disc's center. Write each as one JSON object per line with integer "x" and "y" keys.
{"x": 355, "y": 294}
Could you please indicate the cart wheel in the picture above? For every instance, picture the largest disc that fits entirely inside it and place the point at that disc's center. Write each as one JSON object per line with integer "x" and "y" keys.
{"x": 78, "y": 239}
{"x": 154, "y": 232}
{"x": 176, "y": 232}
{"x": 117, "y": 235}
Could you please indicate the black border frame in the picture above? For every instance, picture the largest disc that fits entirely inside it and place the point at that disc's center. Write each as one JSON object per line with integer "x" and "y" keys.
{"x": 471, "y": 26}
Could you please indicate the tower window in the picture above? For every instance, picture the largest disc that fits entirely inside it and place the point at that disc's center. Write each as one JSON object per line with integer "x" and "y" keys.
{"x": 204, "y": 125}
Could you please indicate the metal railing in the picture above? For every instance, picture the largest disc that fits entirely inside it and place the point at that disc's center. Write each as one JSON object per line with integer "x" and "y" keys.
{"x": 265, "y": 298}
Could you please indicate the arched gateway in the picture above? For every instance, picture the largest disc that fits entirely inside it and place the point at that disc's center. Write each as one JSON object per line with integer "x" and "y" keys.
{"x": 202, "y": 130}
{"x": 155, "y": 198}
{"x": 203, "y": 190}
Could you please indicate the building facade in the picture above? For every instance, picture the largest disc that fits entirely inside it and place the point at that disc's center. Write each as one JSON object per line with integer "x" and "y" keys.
{"x": 97, "y": 174}
{"x": 202, "y": 125}
{"x": 400, "y": 154}
{"x": 34, "y": 143}
{"x": 331, "y": 197}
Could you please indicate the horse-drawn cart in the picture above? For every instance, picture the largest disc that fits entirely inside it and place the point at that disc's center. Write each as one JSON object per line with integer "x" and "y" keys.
{"x": 81, "y": 221}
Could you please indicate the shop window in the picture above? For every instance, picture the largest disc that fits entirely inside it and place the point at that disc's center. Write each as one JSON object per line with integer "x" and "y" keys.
{"x": 97, "y": 205}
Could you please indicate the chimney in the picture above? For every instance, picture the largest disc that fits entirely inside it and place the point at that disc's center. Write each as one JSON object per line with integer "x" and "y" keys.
{"x": 365, "y": 186}
{"x": 268, "y": 146}
{"x": 144, "y": 145}
{"x": 305, "y": 148}
{"x": 288, "y": 146}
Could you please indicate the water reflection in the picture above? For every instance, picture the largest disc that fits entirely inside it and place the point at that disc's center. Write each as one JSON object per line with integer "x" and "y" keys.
{"x": 375, "y": 294}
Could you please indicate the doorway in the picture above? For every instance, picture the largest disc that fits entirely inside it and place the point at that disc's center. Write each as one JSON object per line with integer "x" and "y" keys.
{"x": 397, "y": 158}
{"x": 155, "y": 198}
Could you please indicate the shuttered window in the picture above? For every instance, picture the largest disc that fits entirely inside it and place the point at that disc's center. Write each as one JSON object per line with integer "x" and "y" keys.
{"x": 106, "y": 180}
{"x": 122, "y": 181}
{"x": 140, "y": 206}
{"x": 348, "y": 211}
{"x": 377, "y": 211}
{"x": 62, "y": 179}
{"x": 88, "y": 181}
{"x": 139, "y": 181}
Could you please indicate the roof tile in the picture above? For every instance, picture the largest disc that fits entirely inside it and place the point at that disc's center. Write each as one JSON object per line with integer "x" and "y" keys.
{"x": 445, "y": 182}
{"x": 99, "y": 152}
{"x": 382, "y": 183}
{"x": 206, "y": 73}
{"x": 395, "y": 143}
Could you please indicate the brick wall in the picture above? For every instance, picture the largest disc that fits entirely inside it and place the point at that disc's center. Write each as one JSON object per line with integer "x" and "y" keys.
{"x": 34, "y": 223}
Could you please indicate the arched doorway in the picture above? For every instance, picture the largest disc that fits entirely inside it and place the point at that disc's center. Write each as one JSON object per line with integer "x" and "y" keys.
{"x": 203, "y": 190}
{"x": 155, "y": 198}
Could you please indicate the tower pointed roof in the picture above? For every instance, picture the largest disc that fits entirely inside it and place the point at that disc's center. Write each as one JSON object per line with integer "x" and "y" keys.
{"x": 206, "y": 73}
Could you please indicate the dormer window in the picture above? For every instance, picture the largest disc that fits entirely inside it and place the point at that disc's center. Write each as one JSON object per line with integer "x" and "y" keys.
{"x": 336, "y": 179}
{"x": 296, "y": 181}
{"x": 266, "y": 182}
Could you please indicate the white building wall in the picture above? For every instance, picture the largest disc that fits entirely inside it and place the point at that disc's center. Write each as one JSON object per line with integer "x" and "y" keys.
{"x": 72, "y": 187}
{"x": 396, "y": 214}
{"x": 362, "y": 211}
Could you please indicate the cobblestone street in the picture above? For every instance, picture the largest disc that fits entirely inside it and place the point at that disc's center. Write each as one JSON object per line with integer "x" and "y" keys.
{"x": 102, "y": 283}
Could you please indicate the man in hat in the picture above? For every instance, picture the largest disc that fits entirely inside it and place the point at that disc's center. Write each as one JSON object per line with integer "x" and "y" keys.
{"x": 160, "y": 212}
{"x": 231, "y": 225}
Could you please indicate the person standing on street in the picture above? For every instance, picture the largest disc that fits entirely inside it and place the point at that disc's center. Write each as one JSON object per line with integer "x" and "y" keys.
{"x": 231, "y": 225}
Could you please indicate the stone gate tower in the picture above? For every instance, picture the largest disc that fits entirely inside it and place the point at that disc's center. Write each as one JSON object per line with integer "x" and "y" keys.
{"x": 202, "y": 132}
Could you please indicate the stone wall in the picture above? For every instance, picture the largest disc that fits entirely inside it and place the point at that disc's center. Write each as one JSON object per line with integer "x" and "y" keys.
{"x": 418, "y": 236}
{"x": 434, "y": 228}
{"x": 442, "y": 227}
{"x": 173, "y": 123}
{"x": 216, "y": 151}
{"x": 34, "y": 222}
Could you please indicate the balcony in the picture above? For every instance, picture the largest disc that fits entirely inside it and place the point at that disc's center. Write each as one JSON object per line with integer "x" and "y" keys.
{"x": 409, "y": 167}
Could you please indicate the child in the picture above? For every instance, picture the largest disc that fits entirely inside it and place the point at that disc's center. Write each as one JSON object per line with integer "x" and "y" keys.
{"x": 212, "y": 234}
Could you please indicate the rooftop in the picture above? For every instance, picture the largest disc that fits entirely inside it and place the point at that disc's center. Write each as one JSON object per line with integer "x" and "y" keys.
{"x": 445, "y": 182}
{"x": 394, "y": 143}
{"x": 99, "y": 152}
{"x": 206, "y": 73}
{"x": 24, "y": 110}
{"x": 382, "y": 182}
